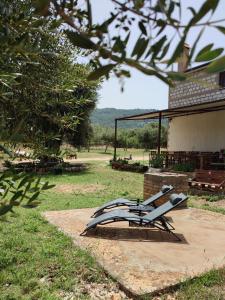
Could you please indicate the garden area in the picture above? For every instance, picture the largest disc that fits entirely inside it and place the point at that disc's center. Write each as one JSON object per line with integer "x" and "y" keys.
{"x": 40, "y": 262}
{"x": 57, "y": 166}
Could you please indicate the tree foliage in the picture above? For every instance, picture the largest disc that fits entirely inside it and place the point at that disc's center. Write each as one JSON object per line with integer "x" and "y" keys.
{"x": 44, "y": 94}
{"x": 162, "y": 34}
{"x": 49, "y": 97}
{"x": 142, "y": 138}
{"x": 19, "y": 190}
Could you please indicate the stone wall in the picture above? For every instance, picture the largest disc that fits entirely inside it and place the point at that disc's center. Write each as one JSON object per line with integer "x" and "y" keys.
{"x": 154, "y": 181}
{"x": 200, "y": 87}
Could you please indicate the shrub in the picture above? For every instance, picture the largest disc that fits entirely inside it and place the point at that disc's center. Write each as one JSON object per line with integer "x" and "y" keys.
{"x": 184, "y": 167}
{"x": 157, "y": 162}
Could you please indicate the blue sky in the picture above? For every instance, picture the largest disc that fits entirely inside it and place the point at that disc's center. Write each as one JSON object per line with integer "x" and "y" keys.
{"x": 143, "y": 91}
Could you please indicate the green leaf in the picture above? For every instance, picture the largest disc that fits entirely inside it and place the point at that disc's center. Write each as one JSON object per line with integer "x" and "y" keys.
{"x": 177, "y": 76}
{"x": 157, "y": 47}
{"x": 142, "y": 28}
{"x": 217, "y": 65}
{"x": 47, "y": 186}
{"x": 140, "y": 47}
{"x": 160, "y": 24}
{"x": 137, "y": 46}
{"x": 192, "y": 10}
{"x": 221, "y": 29}
{"x": 196, "y": 43}
{"x": 34, "y": 197}
{"x": 118, "y": 45}
{"x": 5, "y": 209}
{"x": 24, "y": 181}
{"x": 104, "y": 70}
{"x": 126, "y": 39}
{"x": 205, "y": 8}
{"x": 89, "y": 13}
{"x": 80, "y": 40}
{"x": 42, "y": 6}
{"x": 171, "y": 8}
{"x": 164, "y": 51}
{"x": 104, "y": 26}
{"x": 17, "y": 195}
{"x": 209, "y": 55}
{"x": 138, "y": 4}
{"x": 177, "y": 51}
{"x": 32, "y": 205}
{"x": 205, "y": 49}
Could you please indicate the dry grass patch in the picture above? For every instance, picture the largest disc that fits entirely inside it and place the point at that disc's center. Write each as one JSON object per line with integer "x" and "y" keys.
{"x": 202, "y": 202}
{"x": 79, "y": 188}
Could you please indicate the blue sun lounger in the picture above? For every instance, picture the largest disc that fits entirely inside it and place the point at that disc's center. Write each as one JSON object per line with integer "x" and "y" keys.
{"x": 146, "y": 205}
{"x": 155, "y": 218}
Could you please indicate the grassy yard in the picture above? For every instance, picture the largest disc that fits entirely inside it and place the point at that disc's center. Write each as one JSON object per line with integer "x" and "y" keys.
{"x": 38, "y": 262}
{"x": 99, "y": 152}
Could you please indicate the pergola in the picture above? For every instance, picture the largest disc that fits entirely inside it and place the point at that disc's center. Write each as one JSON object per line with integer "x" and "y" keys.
{"x": 169, "y": 114}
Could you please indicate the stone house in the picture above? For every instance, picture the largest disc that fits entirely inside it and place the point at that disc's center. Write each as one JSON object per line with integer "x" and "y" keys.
{"x": 196, "y": 111}
{"x": 204, "y": 128}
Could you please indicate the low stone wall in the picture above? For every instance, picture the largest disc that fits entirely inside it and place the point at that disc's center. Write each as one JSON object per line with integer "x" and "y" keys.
{"x": 153, "y": 181}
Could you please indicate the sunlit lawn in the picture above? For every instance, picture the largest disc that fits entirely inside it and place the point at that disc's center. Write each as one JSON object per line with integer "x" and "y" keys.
{"x": 99, "y": 152}
{"x": 38, "y": 262}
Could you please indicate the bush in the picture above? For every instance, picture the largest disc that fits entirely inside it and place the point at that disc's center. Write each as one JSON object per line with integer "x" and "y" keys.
{"x": 123, "y": 165}
{"x": 157, "y": 162}
{"x": 184, "y": 167}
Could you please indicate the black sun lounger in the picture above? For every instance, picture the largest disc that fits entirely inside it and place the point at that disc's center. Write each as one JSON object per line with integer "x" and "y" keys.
{"x": 155, "y": 218}
{"x": 134, "y": 205}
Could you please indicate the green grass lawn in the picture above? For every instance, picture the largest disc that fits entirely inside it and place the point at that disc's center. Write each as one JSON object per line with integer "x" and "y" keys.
{"x": 100, "y": 152}
{"x": 39, "y": 262}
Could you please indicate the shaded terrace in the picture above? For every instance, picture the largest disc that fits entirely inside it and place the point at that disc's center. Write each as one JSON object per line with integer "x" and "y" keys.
{"x": 201, "y": 159}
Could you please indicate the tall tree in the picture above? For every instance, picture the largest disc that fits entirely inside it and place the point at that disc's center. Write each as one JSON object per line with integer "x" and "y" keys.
{"x": 49, "y": 97}
{"x": 39, "y": 83}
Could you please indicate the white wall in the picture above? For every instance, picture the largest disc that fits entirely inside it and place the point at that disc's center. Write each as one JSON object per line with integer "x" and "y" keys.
{"x": 200, "y": 132}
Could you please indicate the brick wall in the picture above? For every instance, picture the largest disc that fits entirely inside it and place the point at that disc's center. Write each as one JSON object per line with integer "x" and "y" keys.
{"x": 199, "y": 87}
{"x": 154, "y": 181}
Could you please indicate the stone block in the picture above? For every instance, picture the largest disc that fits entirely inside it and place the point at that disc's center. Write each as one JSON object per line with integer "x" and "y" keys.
{"x": 154, "y": 181}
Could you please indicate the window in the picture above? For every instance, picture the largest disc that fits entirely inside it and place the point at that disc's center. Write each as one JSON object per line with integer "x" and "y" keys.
{"x": 222, "y": 80}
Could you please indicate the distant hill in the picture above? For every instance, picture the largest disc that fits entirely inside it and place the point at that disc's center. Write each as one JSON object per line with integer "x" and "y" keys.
{"x": 106, "y": 116}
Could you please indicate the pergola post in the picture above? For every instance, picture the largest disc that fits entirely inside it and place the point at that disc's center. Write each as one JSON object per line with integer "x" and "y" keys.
{"x": 115, "y": 140}
{"x": 159, "y": 133}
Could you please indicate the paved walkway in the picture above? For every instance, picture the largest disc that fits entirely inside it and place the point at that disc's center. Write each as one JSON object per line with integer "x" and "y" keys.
{"x": 144, "y": 260}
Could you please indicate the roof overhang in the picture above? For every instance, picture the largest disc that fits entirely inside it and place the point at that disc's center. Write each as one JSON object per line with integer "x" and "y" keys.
{"x": 179, "y": 111}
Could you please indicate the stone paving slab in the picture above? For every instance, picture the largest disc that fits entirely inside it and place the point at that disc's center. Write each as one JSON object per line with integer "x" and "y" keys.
{"x": 145, "y": 260}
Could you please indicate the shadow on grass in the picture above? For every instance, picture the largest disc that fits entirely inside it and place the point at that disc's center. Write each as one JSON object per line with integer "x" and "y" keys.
{"x": 135, "y": 235}
{"x": 105, "y": 153}
{"x": 69, "y": 174}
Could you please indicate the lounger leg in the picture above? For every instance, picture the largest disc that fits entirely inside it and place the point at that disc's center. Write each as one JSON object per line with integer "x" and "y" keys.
{"x": 176, "y": 236}
{"x": 165, "y": 225}
{"x": 86, "y": 230}
{"x": 83, "y": 233}
{"x": 170, "y": 225}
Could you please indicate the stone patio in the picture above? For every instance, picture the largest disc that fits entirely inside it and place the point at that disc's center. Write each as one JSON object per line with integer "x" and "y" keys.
{"x": 144, "y": 260}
